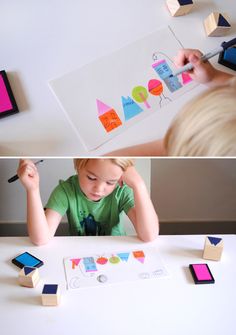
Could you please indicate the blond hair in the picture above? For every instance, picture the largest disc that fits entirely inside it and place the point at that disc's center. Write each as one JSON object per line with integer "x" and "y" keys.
{"x": 206, "y": 126}
{"x": 123, "y": 163}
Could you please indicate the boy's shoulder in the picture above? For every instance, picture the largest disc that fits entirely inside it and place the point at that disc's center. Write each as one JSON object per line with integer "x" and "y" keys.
{"x": 69, "y": 180}
{"x": 69, "y": 183}
{"x": 121, "y": 191}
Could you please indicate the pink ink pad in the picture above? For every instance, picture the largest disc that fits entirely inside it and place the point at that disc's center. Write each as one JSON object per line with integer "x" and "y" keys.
{"x": 8, "y": 104}
{"x": 201, "y": 274}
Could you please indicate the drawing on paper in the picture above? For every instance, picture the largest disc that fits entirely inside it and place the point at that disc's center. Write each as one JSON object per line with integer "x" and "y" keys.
{"x": 108, "y": 116}
{"x": 128, "y": 85}
{"x": 130, "y": 108}
{"x": 114, "y": 267}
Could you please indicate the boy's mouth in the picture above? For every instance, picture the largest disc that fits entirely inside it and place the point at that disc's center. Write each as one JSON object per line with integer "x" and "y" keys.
{"x": 95, "y": 196}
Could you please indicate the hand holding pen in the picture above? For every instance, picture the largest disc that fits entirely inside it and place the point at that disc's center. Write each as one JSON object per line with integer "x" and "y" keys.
{"x": 27, "y": 173}
{"x": 201, "y": 70}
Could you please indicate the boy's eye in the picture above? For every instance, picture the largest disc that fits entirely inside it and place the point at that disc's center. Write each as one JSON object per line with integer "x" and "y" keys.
{"x": 111, "y": 182}
{"x": 91, "y": 178}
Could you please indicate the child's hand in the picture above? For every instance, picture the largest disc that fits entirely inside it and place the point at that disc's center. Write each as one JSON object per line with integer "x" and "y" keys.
{"x": 28, "y": 174}
{"x": 131, "y": 178}
{"x": 202, "y": 72}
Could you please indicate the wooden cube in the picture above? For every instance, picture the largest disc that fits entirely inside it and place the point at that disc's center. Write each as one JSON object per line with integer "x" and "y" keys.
{"x": 29, "y": 276}
{"x": 179, "y": 7}
{"x": 51, "y": 295}
{"x": 217, "y": 24}
{"x": 213, "y": 248}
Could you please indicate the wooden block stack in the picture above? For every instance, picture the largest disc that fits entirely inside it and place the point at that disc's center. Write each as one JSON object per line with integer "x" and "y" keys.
{"x": 179, "y": 7}
{"x": 217, "y": 24}
{"x": 29, "y": 276}
{"x": 213, "y": 248}
{"x": 51, "y": 295}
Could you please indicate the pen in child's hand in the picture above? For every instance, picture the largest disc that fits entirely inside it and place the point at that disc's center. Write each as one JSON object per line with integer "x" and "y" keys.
{"x": 189, "y": 66}
{"x": 15, "y": 177}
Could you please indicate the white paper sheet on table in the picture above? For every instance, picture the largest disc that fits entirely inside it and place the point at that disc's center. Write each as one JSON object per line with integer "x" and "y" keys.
{"x": 113, "y": 267}
{"x": 107, "y": 84}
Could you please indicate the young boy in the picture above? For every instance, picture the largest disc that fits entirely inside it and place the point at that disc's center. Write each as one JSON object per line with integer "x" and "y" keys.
{"x": 93, "y": 200}
{"x": 207, "y": 124}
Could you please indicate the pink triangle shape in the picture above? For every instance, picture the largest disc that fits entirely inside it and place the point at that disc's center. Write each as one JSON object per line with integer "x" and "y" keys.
{"x": 75, "y": 262}
{"x": 186, "y": 78}
{"x": 102, "y": 108}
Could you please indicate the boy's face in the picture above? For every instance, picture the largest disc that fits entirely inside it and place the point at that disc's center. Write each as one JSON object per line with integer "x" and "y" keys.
{"x": 99, "y": 178}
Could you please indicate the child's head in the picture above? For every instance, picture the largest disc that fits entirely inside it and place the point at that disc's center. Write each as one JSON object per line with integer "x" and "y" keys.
{"x": 206, "y": 126}
{"x": 98, "y": 177}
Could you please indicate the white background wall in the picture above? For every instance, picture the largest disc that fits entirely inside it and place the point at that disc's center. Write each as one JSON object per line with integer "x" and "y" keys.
{"x": 194, "y": 189}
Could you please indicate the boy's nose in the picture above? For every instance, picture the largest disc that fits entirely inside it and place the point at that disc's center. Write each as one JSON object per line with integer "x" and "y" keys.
{"x": 98, "y": 187}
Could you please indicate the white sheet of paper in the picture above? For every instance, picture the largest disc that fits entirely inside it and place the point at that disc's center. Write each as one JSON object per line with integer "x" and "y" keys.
{"x": 113, "y": 267}
{"x": 115, "y": 76}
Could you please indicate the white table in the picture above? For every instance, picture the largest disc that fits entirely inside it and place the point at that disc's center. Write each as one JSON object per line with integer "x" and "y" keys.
{"x": 173, "y": 305}
{"x": 41, "y": 40}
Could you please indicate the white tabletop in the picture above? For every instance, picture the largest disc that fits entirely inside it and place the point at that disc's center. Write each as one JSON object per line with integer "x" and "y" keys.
{"x": 173, "y": 305}
{"x": 42, "y": 40}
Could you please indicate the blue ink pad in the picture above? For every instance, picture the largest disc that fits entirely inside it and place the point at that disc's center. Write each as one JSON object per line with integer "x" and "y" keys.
{"x": 26, "y": 259}
{"x": 228, "y": 58}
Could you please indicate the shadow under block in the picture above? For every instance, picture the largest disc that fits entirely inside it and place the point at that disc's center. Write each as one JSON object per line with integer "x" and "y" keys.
{"x": 51, "y": 295}
{"x": 213, "y": 248}
{"x": 28, "y": 276}
{"x": 217, "y": 24}
{"x": 179, "y": 7}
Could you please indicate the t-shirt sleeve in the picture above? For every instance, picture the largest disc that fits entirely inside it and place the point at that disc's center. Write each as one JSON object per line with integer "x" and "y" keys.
{"x": 58, "y": 200}
{"x": 127, "y": 199}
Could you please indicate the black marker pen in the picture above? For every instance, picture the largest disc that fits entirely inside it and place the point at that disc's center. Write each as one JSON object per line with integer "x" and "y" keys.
{"x": 15, "y": 177}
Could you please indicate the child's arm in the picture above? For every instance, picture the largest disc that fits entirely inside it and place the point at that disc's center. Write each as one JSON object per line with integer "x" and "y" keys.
{"x": 41, "y": 225}
{"x": 143, "y": 215}
{"x": 203, "y": 72}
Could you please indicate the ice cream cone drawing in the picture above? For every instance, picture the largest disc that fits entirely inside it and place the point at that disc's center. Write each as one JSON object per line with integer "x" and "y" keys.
{"x": 75, "y": 262}
{"x": 139, "y": 255}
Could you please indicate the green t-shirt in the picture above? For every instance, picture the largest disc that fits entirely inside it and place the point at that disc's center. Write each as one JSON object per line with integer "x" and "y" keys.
{"x": 87, "y": 217}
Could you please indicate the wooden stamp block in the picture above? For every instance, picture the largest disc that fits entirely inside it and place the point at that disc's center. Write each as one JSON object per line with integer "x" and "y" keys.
{"x": 217, "y": 24}
{"x": 213, "y": 248}
{"x": 51, "y": 295}
{"x": 29, "y": 276}
{"x": 179, "y": 7}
